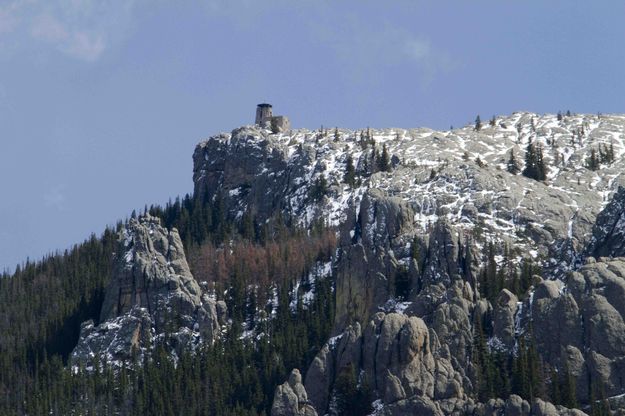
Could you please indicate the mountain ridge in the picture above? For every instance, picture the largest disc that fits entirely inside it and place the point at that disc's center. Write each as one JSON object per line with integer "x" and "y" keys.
{"x": 409, "y": 271}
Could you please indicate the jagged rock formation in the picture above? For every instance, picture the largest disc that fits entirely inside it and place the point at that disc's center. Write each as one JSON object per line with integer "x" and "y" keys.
{"x": 377, "y": 233}
{"x": 608, "y": 234}
{"x": 400, "y": 359}
{"x": 291, "y": 398}
{"x": 152, "y": 297}
{"x": 578, "y": 326}
{"x": 505, "y": 309}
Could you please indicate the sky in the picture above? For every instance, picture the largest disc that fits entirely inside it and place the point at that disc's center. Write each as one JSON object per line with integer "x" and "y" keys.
{"x": 102, "y": 102}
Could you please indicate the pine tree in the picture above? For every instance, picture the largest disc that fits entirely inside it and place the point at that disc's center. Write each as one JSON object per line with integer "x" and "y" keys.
{"x": 319, "y": 188}
{"x": 384, "y": 160}
{"x": 599, "y": 405}
{"x": 611, "y": 152}
{"x": 534, "y": 163}
{"x": 554, "y": 383}
{"x": 592, "y": 162}
{"x": 467, "y": 264}
{"x": 478, "y": 123}
{"x": 520, "y": 377}
{"x": 489, "y": 380}
{"x": 351, "y": 399}
{"x": 540, "y": 164}
{"x": 350, "y": 172}
{"x": 363, "y": 141}
{"x": 513, "y": 164}
{"x": 530, "y": 161}
{"x": 569, "y": 391}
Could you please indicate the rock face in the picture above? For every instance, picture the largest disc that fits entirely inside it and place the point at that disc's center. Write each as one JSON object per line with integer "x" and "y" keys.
{"x": 291, "y": 398}
{"x": 232, "y": 167}
{"x": 367, "y": 265}
{"x": 399, "y": 361}
{"x": 504, "y": 313}
{"x": 151, "y": 292}
{"x": 599, "y": 289}
{"x": 608, "y": 234}
{"x": 578, "y": 326}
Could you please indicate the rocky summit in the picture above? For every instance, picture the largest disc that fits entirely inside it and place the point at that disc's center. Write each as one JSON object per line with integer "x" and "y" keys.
{"x": 417, "y": 212}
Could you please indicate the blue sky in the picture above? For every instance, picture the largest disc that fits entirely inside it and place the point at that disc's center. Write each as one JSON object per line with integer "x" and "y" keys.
{"x": 102, "y": 101}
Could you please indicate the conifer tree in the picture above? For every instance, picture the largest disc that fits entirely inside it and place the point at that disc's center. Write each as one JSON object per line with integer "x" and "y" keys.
{"x": 599, "y": 406}
{"x": 352, "y": 399}
{"x": 350, "y": 172}
{"x": 513, "y": 164}
{"x": 481, "y": 361}
{"x": 611, "y": 152}
{"x": 384, "y": 160}
{"x": 554, "y": 383}
{"x": 478, "y": 123}
{"x": 568, "y": 389}
{"x": 534, "y": 163}
{"x": 319, "y": 188}
{"x": 592, "y": 162}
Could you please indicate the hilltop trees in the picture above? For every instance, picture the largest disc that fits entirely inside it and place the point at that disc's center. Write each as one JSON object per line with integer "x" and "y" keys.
{"x": 605, "y": 155}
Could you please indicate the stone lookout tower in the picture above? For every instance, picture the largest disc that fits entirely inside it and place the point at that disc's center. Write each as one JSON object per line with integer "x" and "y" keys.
{"x": 266, "y": 119}
{"x": 263, "y": 112}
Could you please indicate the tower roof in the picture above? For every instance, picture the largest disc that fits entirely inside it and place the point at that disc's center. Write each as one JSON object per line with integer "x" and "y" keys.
{"x": 264, "y": 105}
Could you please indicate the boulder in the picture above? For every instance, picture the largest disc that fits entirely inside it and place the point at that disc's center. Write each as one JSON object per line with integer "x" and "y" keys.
{"x": 504, "y": 313}
{"x": 516, "y": 406}
{"x": 290, "y": 398}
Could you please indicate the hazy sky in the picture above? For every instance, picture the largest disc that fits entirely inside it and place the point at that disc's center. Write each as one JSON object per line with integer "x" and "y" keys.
{"x": 103, "y": 101}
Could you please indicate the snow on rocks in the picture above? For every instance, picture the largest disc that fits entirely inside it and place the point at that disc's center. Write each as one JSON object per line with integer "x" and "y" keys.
{"x": 437, "y": 174}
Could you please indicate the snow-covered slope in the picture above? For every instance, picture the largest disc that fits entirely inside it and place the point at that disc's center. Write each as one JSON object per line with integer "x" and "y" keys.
{"x": 438, "y": 174}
